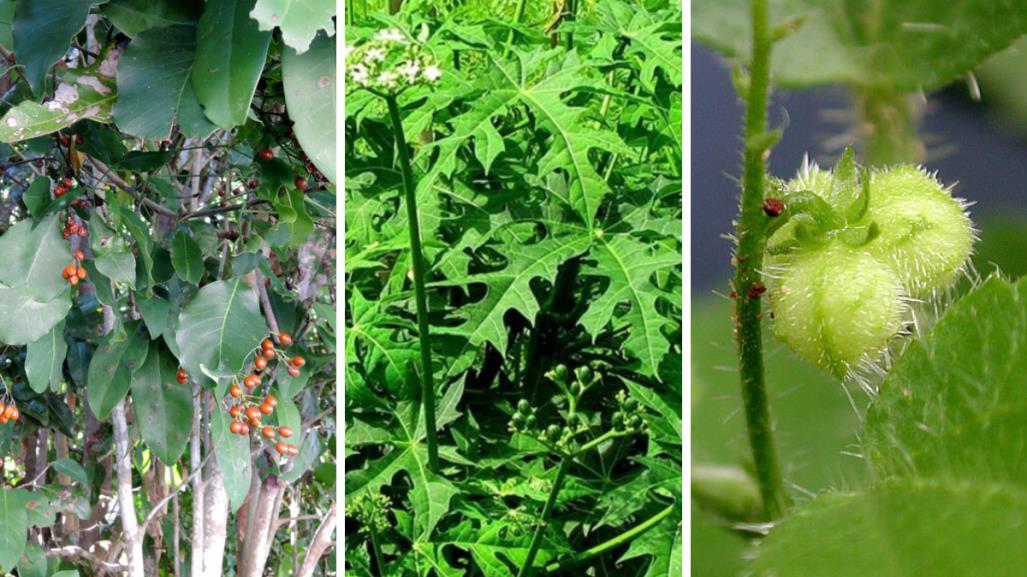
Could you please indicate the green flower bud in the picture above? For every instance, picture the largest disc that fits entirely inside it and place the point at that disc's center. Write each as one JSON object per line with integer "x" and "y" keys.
{"x": 530, "y": 421}
{"x": 584, "y": 374}
{"x": 524, "y": 406}
{"x": 553, "y": 432}
{"x": 560, "y": 373}
{"x": 835, "y": 306}
{"x": 631, "y": 404}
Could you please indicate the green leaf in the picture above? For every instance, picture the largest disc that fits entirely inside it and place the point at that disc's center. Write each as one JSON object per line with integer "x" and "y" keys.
{"x": 905, "y": 45}
{"x": 309, "y": 84}
{"x": 510, "y": 288}
{"x": 33, "y": 562}
{"x": 630, "y": 265}
{"x": 7, "y": 8}
{"x": 156, "y": 314}
{"x": 112, "y": 254}
{"x": 662, "y": 544}
{"x": 900, "y": 529}
{"x": 72, "y": 470}
{"x": 14, "y": 526}
{"x": 154, "y": 91}
{"x": 104, "y": 286}
{"x": 135, "y": 16}
{"x": 430, "y": 494}
{"x": 652, "y": 40}
{"x": 186, "y": 257}
{"x": 42, "y": 33}
{"x": 293, "y": 212}
{"x": 954, "y": 405}
{"x": 230, "y": 54}
{"x": 110, "y": 371}
{"x": 37, "y": 197}
{"x": 44, "y": 361}
{"x": 81, "y": 94}
{"x": 233, "y": 455}
{"x": 163, "y": 408}
{"x": 571, "y": 137}
{"x": 498, "y": 548}
{"x": 33, "y": 296}
{"x": 299, "y": 20}
{"x": 220, "y": 328}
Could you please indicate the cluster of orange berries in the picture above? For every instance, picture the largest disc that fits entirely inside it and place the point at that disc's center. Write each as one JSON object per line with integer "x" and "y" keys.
{"x": 182, "y": 377}
{"x": 247, "y": 413}
{"x": 63, "y": 187}
{"x": 72, "y": 228}
{"x": 74, "y": 273}
{"x": 8, "y": 413}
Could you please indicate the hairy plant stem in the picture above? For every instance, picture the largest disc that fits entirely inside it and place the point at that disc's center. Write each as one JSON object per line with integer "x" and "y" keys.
{"x": 420, "y": 293}
{"x": 612, "y": 543}
{"x": 527, "y": 569}
{"x": 752, "y": 242}
{"x": 888, "y": 127}
{"x": 379, "y": 560}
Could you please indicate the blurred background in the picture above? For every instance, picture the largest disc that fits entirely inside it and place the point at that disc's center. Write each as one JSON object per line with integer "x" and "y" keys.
{"x": 979, "y": 143}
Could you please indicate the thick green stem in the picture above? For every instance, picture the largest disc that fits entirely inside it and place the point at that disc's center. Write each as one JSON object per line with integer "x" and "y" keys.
{"x": 527, "y": 569}
{"x": 622, "y": 539}
{"x": 752, "y": 242}
{"x": 420, "y": 293}
{"x": 379, "y": 561}
{"x": 518, "y": 16}
{"x": 888, "y": 127}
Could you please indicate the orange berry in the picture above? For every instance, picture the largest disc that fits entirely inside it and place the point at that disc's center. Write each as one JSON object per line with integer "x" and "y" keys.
{"x": 79, "y": 255}
{"x": 271, "y": 400}
{"x": 251, "y": 381}
{"x": 269, "y": 353}
{"x": 265, "y": 155}
{"x": 285, "y": 431}
{"x": 244, "y": 429}
{"x": 81, "y": 273}
{"x": 267, "y": 344}
{"x": 285, "y": 338}
{"x": 236, "y": 427}
{"x": 282, "y": 447}
{"x": 11, "y": 412}
{"x": 298, "y": 361}
{"x": 68, "y": 182}
{"x": 268, "y": 432}
{"x": 294, "y": 372}
{"x": 252, "y": 412}
{"x": 267, "y": 409}
{"x": 260, "y": 363}
{"x": 255, "y": 422}
{"x": 235, "y": 391}
{"x": 73, "y": 280}
{"x": 235, "y": 410}
{"x": 293, "y": 450}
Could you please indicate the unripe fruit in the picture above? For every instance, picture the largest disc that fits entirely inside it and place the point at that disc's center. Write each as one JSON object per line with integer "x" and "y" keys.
{"x": 926, "y": 234}
{"x": 584, "y": 374}
{"x": 836, "y": 305}
{"x": 524, "y": 406}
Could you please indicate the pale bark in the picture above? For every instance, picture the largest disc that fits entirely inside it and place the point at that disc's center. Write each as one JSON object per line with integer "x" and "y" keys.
{"x": 195, "y": 460}
{"x": 319, "y": 544}
{"x": 126, "y": 504}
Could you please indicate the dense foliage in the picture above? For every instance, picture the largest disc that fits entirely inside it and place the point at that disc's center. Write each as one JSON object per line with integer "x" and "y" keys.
{"x": 545, "y": 171}
{"x": 910, "y": 464}
{"x": 166, "y": 204}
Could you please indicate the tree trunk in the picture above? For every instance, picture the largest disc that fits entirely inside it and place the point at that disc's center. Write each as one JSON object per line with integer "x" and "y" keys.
{"x": 123, "y": 469}
{"x": 321, "y": 542}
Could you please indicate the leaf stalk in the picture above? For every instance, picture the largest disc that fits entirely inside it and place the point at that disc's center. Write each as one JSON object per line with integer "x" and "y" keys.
{"x": 420, "y": 292}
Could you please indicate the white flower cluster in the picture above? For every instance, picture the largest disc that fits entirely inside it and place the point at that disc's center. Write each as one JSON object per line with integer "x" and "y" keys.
{"x": 391, "y": 62}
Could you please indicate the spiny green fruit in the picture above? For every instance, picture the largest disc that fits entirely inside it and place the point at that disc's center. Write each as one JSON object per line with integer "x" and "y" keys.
{"x": 836, "y": 306}
{"x": 925, "y": 235}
